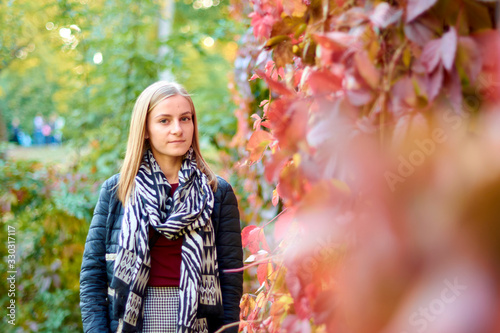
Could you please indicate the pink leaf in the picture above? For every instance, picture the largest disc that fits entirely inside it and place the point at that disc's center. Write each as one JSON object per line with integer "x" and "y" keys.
{"x": 385, "y": 15}
{"x": 276, "y": 86}
{"x": 435, "y": 82}
{"x": 449, "y": 48}
{"x": 359, "y": 97}
{"x": 441, "y": 50}
{"x": 366, "y": 69}
{"x": 258, "y": 120}
{"x": 255, "y": 76}
{"x": 418, "y": 32}
{"x": 431, "y": 54}
{"x": 417, "y": 7}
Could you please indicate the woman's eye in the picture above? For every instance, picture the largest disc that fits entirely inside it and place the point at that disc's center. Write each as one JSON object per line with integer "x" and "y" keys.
{"x": 163, "y": 121}
{"x": 186, "y": 119}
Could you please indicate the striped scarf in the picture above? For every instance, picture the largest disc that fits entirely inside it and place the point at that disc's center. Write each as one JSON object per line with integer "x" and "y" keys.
{"x": 185, "y": 214}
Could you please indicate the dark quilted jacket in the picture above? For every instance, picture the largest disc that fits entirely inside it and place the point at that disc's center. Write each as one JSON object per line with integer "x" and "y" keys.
{"x": 102, "y": 244}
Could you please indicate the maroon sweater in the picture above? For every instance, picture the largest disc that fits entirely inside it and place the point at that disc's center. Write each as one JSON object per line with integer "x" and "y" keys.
{"x": 165, "y": 259}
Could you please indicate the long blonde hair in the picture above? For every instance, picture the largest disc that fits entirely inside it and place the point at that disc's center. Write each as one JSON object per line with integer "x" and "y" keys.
{"x": 137, "y": 144}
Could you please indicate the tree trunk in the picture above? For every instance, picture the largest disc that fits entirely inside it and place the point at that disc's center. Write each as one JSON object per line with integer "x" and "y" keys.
{"x": 164, "y": 31}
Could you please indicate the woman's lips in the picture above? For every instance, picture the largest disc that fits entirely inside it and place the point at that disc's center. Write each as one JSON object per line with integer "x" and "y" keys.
{"x": 178, "y": 141}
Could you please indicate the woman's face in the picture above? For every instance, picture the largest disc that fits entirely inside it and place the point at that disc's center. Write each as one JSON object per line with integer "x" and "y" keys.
{"x": 170, "y": 128}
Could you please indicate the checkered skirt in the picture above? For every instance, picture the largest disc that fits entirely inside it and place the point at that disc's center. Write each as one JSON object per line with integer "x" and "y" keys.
{"x": 161, "y": 309}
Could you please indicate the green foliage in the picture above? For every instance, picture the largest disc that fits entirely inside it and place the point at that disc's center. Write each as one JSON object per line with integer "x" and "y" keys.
{"x": 50, "y": 229}
{"x": 58, "y": 72}
{"x": 96, "y": 99}
{"x": 206, "y": 70}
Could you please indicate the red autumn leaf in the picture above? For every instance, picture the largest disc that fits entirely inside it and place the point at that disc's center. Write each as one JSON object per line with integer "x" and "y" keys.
{"x": 269, "y": 68}
{"x": 276, "y": 86}
{"x": 258, "y": 143}
{"x": 417, "y": 7}
{"x": 276, "y": 114}
{"x": 488, "y": 42}
{"x": 262, "y": 24}
{"x": 245, "y": 234}
{"x": 262, "y": 271}
{"x": 252, "y": 237}
{"x": 324, "y": 82}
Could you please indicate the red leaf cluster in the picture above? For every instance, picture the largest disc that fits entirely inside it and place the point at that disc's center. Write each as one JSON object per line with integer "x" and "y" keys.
{"x": 350, "y": 84}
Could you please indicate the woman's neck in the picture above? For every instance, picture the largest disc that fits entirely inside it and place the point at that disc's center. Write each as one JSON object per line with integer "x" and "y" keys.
{"x": 170, "y": 167}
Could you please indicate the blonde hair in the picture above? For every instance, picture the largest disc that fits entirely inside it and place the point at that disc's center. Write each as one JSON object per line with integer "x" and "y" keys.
{"x": 137, "y": 144}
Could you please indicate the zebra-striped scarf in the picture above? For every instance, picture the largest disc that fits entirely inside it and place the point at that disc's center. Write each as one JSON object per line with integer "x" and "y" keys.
{"x": 186, "y": 214}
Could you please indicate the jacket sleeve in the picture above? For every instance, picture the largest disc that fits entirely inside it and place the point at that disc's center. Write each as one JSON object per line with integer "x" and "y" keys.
{"x": 230, "y": 255}
{"x": 93, "y": 278}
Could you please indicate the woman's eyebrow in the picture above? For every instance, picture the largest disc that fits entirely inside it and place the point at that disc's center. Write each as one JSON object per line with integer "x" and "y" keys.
{"x": 169, "y": 115}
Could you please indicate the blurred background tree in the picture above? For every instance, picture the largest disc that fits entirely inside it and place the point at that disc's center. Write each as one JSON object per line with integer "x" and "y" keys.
{"x": 86, "y": 61}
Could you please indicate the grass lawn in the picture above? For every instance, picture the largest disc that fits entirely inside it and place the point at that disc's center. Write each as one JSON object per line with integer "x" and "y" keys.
{"x": 63, "y": 155}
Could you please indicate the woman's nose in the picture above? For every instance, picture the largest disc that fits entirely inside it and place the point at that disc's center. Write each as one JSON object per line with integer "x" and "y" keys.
{"x": 176, "y": 127}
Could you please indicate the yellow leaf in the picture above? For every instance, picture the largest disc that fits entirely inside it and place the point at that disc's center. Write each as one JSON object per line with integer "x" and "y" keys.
{"x": 407, "y": 57}
{"x": 297, "y": 159}
{"x": 260, "y": 300}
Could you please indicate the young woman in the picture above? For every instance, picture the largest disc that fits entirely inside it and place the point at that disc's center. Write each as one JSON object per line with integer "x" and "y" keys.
{"x": 164, "y": 231}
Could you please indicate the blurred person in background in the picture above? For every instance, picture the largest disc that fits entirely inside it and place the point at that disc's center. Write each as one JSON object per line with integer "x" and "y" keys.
{"x": 38, "y": 123}
{"x": 164, "y": 231}
{"x": 15, "y": 131}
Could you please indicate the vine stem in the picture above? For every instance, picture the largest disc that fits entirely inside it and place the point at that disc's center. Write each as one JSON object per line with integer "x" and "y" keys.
{"x": 387, "y": 88}
{"x": 258, "y": 262}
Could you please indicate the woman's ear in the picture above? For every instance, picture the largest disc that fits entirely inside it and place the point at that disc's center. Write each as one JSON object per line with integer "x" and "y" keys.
{"x": 146, "y": 136}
